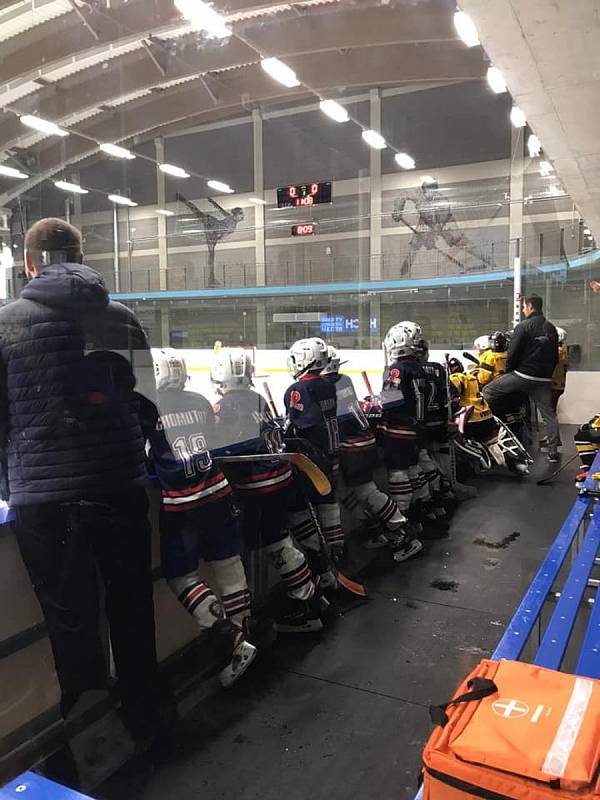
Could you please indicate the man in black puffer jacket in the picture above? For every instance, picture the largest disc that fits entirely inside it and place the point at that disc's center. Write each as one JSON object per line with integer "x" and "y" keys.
{"x": 532, "y": 357}
{"x": 73, "y": 468}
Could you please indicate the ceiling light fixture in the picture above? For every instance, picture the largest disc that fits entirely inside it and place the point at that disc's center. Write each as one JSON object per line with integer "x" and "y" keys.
{"x": 203, "y": 17}
{"x": 116, "y": 151}
{"x": 534, "y": 146}
{"x": 517, "y": 117}
{"x": 546, "y": 168}
{"x": 219, "y": 186}
{"x": 164, "y": 212}
{"x": 257, "y": 201}
{"x": 171, "y": 169}
{"x": 404, "y": 160}
{"x": 374, "y": 139}
{"x": 496, "y": 80}
{"x": 428, "y": 179}
{"x": 70, "y": 187}
{"x": 334, "y": 110}
{"x": 120, "y": 200}
{"x": 43, "y": 125}
{"x": 465, "y": 27}
{"x": 280, "y": 72}
{"x": 11, "y": 172}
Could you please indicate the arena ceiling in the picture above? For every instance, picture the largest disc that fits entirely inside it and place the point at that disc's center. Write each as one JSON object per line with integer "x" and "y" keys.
{"x": 123, "y": 71}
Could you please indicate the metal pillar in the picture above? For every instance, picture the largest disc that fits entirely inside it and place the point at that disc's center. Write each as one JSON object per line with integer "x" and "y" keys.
{"x": 375, "y": 204}
{"x": 163, "y": 251}
{"x": 116, "y": 248}
{"x": 259, "y": 211}
{"x": 261, "y": 323}
{"x": 515, "y": 222}
{"x": 165, "y": 330}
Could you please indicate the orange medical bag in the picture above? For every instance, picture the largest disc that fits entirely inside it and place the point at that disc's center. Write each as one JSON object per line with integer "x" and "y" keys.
{"x": 514, "y": 730}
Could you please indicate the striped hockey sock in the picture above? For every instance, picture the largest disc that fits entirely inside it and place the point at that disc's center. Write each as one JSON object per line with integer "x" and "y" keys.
{"x": 230, "y": 579}
{"x": 291, "y": 564}
{"x": 198, "y": 599}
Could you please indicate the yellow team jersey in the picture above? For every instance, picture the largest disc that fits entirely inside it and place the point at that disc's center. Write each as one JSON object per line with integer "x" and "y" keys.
{"x": 467, "y": 386}
{"x": 491, "y": 366}
{"x": 559, "y": 378}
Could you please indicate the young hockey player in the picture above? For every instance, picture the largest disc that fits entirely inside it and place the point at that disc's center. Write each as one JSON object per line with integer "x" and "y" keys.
{"x": 310, "y": 405}
{"x": 358, "y": 459}
{"x": 198, "y": 518}
{"x": 480, "y": 345}
{"x": 492, "y": 364}
{"x": 403, "y": 398}
{"x": 246, "y": 427}
{"x": 559, "y": 378}
{"x": 587, "y": 444}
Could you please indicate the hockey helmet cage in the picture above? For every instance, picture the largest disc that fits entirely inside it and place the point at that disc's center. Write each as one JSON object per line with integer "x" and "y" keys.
{"x": 499, "y": 342}
{"x": 422, "y": 351}
{"x": 333, "y": 364}
{"x": 307, "y": 355}
{"x": 455, "y": 366}
{"x": 481, "y": 343}
{"x": 170, "y": 371}
{"x": 399, "y": 342}
{"x": 562, "y": 335}
{"x": 232, "y": 368}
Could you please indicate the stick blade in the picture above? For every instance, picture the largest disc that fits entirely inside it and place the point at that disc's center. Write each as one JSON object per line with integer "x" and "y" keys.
{"x": 315, "y": 475}
{"x": 350, "y": 585}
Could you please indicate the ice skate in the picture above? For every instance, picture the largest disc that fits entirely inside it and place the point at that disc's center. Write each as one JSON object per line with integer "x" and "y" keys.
{"x": 232, "y": 650}
{"x": 403, "y": 548}
{"x": 300, "y": 616}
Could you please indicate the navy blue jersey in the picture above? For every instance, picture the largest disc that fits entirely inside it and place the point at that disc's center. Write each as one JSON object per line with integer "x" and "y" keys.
{"x": 246, "y": 427}
{"x": 436, "y": 409}
{"x": 311, "y": 408}
{"x": 353, "y": 425}
{"x": 179, "y": 434}
{"x": 403, "y": 398}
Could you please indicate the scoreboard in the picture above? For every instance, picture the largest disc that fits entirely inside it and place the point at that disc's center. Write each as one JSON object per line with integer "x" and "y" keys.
{"x": 304, "y": 229}
{"x": 303, "y": 195}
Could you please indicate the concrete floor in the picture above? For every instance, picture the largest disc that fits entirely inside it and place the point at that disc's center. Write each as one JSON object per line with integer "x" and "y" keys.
{"x": 344, "y": 715}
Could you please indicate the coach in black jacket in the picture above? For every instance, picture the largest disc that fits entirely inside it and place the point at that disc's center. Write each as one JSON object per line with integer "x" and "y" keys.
{"x": 532, "y": 357}
{"x": 72, "y": 468}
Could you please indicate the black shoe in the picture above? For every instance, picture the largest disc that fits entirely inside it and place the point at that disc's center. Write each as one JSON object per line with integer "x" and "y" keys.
{"x": 300, "y": 616}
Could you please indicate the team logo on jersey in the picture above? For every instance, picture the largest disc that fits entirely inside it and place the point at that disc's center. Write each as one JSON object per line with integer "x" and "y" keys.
{"x": 295, "y": 400}
{"x": 394, "y": 376}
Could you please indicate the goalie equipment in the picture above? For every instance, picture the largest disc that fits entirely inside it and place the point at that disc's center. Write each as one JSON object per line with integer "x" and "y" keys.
{"x": 170, "y": 371}
{"x": 399, "y": 342}
{"x": 510, "y": 445}
{"x": 232, "y": 368}
{"x": 475, "y": 451}
{"x": 307, "y": 355}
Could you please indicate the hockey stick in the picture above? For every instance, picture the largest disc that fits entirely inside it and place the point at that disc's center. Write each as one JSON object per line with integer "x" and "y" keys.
{"x": 303, "y": 464}
{"x": 471, "y": 358}
{"x": 267, "y": 391}
{"x": 545, "y": 481}
{"x": 365, "y": 378}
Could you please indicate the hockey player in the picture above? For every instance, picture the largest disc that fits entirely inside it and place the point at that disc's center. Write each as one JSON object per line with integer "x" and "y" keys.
{"x": 246, "y": 427}
{"x": 403, "y": 397}
{"x": 559, "y": 378}
{"x": 310, "y": 405}
{"x": 198, "y": 518}
{"x": 480, "y": 345}
{"x": 358, "y": 459}
{"x": 587, "y": 444}
{"x": 492, "y": 364}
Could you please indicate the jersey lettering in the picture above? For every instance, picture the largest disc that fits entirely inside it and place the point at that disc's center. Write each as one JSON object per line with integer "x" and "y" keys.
{"x": 193, "y": 453}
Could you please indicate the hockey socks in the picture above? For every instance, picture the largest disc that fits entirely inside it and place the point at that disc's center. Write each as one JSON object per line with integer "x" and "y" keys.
{"x": 198, "y": 599}
{"x": 292, "y": 566}
{"x": 230, "y": 579}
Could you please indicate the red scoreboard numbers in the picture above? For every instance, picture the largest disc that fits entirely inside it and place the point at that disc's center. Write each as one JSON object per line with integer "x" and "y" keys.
{"x": 304, "y": 229}
{"x": 304, "y": 194}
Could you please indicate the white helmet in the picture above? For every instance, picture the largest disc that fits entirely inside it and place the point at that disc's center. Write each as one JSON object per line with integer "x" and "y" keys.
{"x": 307, "y": 355}
{"x": 232, "y": 368}
{"x": 333, "y": 365}
{"x": 562, "y": 335}
{"x": 413, "y": 327}
{"x": 170, "y": 371}
{"x": 481, "y": 343}
{"x": 400, "y": 341}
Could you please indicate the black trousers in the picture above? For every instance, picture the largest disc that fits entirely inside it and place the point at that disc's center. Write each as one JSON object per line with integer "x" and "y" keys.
{"x": 65, "y": 547}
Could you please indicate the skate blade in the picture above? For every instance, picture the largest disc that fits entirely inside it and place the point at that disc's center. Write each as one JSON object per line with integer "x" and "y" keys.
{"x": 310, "y": 626}
{"x": 243, "y": 655}
{"x": 403, "y": 555}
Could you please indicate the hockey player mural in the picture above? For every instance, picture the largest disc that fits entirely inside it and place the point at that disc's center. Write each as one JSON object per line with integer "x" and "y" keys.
{"x": 434, "y": 228}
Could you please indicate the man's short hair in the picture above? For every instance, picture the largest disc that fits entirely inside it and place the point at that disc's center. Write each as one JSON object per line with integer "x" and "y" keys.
{"x": 535, "y": 301}
{"x": 52, "y": 240}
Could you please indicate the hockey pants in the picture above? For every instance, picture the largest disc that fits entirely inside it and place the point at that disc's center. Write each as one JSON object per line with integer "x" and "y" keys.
{"x": 587, "y": 444}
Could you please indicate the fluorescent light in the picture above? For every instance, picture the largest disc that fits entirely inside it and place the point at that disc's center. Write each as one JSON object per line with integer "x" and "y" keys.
{"x": 534, "y": 146}
{"x": 203, "y": 17}
{"x": 517, "y": 117}
{"x": 116, "y": 151}
{"x": 280, "y": 72}
{"x": 334, "y": 110}
{"x": 587, "y": 231}
{"x": 11, "y": 172}
{"x": 465, "y": 27}
{"x": 546, "y": 168}
{"x": 171, "y": 169}
{"x": 164, "y": 212}
{"x": 219, "y": 186}
{"x": 374, "y": 139}
{"x": 43, "y": 125}
{"x": 257, "y": 201}
{"x": 496, "y": 80}
{"x": 70, "y": 187}
{"x": 404, "y": 160}
{"x": 428, "y": 179}
{"x": 120, "y": 200}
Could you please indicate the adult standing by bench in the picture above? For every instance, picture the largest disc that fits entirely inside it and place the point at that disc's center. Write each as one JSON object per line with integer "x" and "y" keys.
{"x": 532, "y": 357}
{"x": 73, "y": 469}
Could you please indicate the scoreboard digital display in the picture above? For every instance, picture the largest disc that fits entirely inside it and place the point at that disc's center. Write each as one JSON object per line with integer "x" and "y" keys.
{"x": 303, "y": 195}
{"x": 304, "y": 229}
